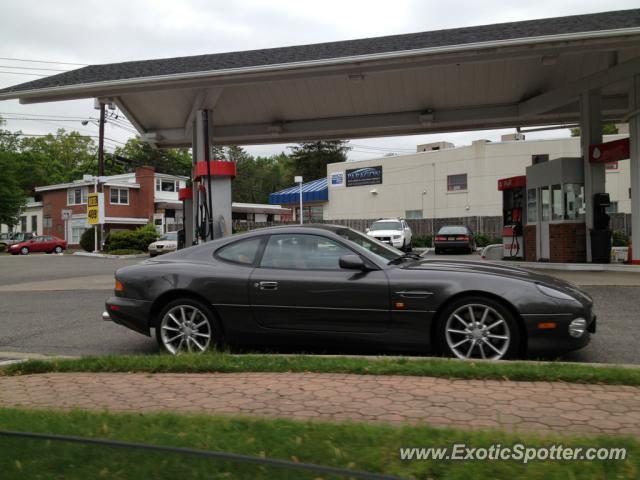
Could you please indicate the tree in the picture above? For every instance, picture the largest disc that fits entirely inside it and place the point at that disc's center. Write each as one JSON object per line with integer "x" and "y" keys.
{"x": 310, "y": 159}
{"x": 607, "y": 129}
{"x": 12, "y": 196}
{"x": 172, "y": 161}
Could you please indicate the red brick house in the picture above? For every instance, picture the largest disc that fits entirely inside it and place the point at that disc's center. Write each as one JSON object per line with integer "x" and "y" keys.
{"x": 131, "y": 200}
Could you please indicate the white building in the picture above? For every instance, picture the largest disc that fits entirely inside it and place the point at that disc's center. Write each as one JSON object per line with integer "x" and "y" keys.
{"x": 30, "y": 219}
{"x": 448, "y": 182}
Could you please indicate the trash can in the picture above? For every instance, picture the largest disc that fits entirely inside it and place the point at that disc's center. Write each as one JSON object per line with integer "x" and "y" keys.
{"x": 600, "y": 246}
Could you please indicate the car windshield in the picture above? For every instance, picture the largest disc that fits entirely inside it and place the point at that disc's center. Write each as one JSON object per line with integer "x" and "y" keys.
{"x": 453, "y": 231}
{"x": 383, "y": 251}
{"x": 171, "y": 236}
{"x": 386, "y": 226}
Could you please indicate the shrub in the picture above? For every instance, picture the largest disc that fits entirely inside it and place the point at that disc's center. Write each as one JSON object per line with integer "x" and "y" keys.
{"x": 422, "y": 241}
{"x": 87, "y": 241}
{"x": 620, "y": 239}
{"x": 3, "y": 247}
{"x": 138, "y": 239}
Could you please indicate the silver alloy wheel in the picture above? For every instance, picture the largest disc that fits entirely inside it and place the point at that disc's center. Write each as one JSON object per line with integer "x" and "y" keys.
{"x": 58, "y": 249}
{"x": 24, "y": 251}
{"x": 185, "y": 328}
{"x": 477, "y": 331}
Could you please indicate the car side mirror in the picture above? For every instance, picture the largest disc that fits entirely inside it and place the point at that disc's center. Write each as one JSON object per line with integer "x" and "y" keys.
{"x": 352, "y": 262}
{"x": 367, "y": 230}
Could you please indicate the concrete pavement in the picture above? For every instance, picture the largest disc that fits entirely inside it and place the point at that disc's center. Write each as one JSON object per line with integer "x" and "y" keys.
{"x": 552, "y": 407}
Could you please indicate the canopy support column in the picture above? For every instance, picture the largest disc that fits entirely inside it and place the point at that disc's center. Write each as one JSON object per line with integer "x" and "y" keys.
{"x": 594, "y": 174}
{"x": 634, "y": 158}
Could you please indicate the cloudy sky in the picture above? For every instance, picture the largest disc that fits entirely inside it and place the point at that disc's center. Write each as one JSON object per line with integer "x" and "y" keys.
{"x": 91, "y": 31}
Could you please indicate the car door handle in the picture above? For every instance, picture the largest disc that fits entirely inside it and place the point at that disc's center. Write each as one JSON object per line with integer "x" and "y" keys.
{"x": 266, "y": 285}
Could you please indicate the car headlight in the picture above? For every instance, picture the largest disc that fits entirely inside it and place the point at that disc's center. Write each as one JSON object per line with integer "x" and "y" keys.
{"x": 577, "y": 327}
{"x": 552, "y": 292}
{"x": 397, "y": 237}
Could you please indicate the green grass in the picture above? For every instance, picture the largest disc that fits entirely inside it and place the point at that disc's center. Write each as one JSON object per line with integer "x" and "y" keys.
{"x": 358, "y": 446}
{"x": 432, "y": 367}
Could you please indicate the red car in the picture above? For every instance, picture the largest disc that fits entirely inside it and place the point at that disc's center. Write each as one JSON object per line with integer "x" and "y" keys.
{"x": 43, "y": 243}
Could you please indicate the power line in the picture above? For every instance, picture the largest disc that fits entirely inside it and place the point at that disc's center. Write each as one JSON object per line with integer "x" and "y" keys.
{"x": 23, "y": 73}
{"x": 42, "y": 61}
{"x": 22, "y": 134}
{"x": 34, "y": 68}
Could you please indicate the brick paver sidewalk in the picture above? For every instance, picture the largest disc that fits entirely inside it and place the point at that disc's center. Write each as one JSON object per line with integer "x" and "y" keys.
{"x": 541, "y": 406}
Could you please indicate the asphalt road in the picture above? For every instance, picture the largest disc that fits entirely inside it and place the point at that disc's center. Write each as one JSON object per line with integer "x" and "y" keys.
{"x": 52, "y": 304}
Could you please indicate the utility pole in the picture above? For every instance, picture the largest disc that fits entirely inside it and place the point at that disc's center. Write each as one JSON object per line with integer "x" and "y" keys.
{"x": 101, "y": 142}
{"x": 298, "y": 179}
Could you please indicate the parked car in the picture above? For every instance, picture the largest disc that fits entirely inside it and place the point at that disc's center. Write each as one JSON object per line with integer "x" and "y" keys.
{"x": 454, "y": 238}
{"x": 329, "y": 285}
{"x": 393, "y": 231}
{"x": 165, "y": 244}
{"x": 43, "y": 243}
{"x": 16, "y": 237}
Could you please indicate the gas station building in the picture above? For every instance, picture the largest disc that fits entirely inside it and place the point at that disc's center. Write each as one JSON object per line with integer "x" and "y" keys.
{"x": 581, "y": 70}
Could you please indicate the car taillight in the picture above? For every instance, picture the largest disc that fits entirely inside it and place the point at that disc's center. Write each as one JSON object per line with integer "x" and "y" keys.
{"x": 462, "y": 237}
{"x": 440, "y": 239}
{"x": 119, "y": 286}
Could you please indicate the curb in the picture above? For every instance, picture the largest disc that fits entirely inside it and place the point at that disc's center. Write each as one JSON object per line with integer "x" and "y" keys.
{"x": 110, "y": 257}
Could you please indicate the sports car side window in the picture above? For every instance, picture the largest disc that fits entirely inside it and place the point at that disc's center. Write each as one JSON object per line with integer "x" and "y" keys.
{"x": 302, "y": 252}
{"x": 244, "y": 251}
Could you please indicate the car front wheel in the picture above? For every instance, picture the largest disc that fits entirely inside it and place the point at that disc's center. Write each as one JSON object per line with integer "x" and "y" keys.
{"x": 24, "y": 251}
{"x": 478, "y": 328}
{"x": 186, "y": 325}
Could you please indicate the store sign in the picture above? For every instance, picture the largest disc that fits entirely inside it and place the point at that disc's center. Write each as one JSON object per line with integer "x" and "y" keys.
{"x": 336, "y": 179}
{"x": 512, "y": 182}
{"x": 364, "y": 176}
{"x": 95, "y": 208}
{"x": 609, "y": 151}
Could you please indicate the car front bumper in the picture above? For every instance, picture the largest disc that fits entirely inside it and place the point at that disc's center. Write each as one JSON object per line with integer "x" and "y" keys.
{"x": 390, "y": 241}
{"x": 545, "y": 341}
{"x": 130, "y": 313}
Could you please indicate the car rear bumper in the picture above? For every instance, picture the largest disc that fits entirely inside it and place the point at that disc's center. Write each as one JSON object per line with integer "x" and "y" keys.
{"x": 453, "y": 245}
{"x": 133, "y": 314}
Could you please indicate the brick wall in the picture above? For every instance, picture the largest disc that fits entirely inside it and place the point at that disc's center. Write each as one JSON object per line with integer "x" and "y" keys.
{"x": 530, "y": 243}
{"x": 53, "y": 202}
{"x": 567, "y": 242}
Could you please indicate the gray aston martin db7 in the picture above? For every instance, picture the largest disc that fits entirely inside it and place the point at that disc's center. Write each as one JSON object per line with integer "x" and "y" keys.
{"x": 328, "y": 285}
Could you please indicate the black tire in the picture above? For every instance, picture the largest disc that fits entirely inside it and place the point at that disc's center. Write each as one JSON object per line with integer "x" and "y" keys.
{"x": 212, "y": 327}
{"x": 58, "y": 249}
{"x": 438, "y": 251}
{"x": 479, "y": 303}
{"x": 24, "y": 251}
{"x": 409, "y": 247}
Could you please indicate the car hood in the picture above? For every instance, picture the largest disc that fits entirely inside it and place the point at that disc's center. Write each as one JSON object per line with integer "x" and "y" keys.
{"x": 384, "y": 233}
{"x": 507, "y": 271}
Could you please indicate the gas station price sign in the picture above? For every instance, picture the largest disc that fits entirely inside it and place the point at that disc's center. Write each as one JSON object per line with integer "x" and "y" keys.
{"x": 95, "y": 208}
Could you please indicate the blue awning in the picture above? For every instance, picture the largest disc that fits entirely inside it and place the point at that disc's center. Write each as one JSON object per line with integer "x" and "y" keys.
{"x": 314, "y": 191}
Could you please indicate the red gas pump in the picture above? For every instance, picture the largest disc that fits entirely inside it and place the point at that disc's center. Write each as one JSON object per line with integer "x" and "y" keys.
{"x": 513, "y": 213}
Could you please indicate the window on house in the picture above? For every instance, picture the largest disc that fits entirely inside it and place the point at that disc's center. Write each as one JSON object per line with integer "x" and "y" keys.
{"x": 166, "y": 185}
{"x": 47, "y": 222}
{"x": 119, "y": 196}
{"x": 456, "y": 182}
{"x": 34, "y": 223}
{"x": 77, "y": 196}
{"x": 413, "y": 214}
{"x": 23, "y": 224}
{"x": 76, "y": 234}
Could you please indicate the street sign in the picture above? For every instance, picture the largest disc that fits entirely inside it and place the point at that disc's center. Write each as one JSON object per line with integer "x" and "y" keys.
{"x": 95, "y": 208}
{"x": 66, "y": 214}
{"x": 609, "y": 151}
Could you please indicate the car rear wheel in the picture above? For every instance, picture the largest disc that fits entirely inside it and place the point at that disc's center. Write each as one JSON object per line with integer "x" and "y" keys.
{"x": 24, "y": 251}
{"x": 186, "y": 325}
{"x": 58, "y": 249}
{"x": 478, "y": 328}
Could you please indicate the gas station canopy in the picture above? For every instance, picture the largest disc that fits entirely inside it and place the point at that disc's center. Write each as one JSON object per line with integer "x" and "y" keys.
{"x": 505, "y": 75}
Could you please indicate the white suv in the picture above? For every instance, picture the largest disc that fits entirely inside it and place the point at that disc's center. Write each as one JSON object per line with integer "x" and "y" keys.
{"x": 393, "y": 231}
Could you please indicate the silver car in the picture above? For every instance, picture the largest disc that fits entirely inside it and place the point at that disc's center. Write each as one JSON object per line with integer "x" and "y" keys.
{"x": 165, "y": 244}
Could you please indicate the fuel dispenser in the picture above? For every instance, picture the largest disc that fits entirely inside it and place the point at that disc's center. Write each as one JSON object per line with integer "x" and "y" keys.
{"x": 601, "y": 234}
{"x": 513, "y": 212}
